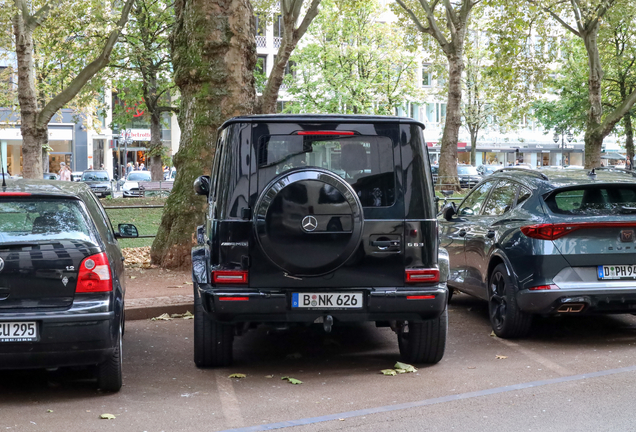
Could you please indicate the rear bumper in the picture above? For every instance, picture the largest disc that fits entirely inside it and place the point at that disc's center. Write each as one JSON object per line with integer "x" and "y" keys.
{"x": 85, "y": 334}
{"x": 593, "y": 300}
{"x": 274, "y": 305}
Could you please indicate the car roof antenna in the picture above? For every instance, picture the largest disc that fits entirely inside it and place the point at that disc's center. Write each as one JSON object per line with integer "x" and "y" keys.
{"x": 4, "y": 181}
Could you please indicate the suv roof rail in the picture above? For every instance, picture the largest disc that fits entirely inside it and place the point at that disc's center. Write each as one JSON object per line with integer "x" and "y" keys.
{"x": 613, "y": 169}
{"x": 525, "y": 170}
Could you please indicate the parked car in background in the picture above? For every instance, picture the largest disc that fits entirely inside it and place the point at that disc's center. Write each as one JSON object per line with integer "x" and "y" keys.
{"x": 98, "y": 181}
{"x": 61, "y": 280}
{"x": 336, "y": 225}
{"x": 544, "y": 242}
{"x": 468, "y": 176}
{"x": 50, "y": 176}
{"x": 434, "y": 172}
{"x": 486, "y": 170}
{"x": 130, "y": 187}
{"x": 76, "y": 176}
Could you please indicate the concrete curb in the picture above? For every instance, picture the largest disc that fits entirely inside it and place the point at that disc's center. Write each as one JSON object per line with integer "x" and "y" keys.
{"x": 146, "y": 308}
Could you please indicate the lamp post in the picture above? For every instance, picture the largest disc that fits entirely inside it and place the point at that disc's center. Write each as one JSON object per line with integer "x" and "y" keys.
{"x": 563, "y": 134}
{"x": 127, "y": 138}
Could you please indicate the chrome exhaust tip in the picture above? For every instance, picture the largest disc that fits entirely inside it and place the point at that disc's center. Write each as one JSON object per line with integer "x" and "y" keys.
{"x": 571, "y": 308}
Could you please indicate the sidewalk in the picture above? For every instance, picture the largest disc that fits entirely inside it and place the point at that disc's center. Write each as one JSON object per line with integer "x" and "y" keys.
{"x": 155, "y": 291}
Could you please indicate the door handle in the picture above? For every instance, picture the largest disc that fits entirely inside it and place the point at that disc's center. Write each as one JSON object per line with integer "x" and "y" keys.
{"x": 490, "y": 234}
{"x": 462, "y": 232}
{"x": 385, "y": 243}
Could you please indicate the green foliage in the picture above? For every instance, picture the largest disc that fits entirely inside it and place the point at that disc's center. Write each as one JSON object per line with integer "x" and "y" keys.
{"x": 353, "y": 63}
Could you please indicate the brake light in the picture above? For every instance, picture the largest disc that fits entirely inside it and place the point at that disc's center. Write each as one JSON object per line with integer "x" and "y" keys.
{"x": 420, "y": 297}
{"x": 555, "y": 231}
{"x": 221, "y": 298}
{"x": 229, "y": 276}
{"x": 422, "y": 275}
{"x": 544, "y": 287}
{"x": 94, "y": 275}
{"x": 325, "y": 133}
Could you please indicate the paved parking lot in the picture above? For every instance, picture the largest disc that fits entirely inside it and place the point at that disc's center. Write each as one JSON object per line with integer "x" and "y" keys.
{"x": 539, "y": 385}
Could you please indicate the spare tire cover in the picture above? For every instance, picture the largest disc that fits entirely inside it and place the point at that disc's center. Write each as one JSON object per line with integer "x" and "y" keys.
{"x": 308, "y": 221}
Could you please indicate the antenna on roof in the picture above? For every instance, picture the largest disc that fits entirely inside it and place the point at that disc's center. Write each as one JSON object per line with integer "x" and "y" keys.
{"x": 4, "y": 182}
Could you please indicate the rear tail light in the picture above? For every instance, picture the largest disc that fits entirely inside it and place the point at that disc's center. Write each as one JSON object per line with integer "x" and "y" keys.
{"x": 422, "y": 275}
{"x": 227, "y": 298}
{"x": 544, "y": 287}
{"x": 94, "y": 275}
{"x": 229, "y": 276}
{"x": 555, "y": 231}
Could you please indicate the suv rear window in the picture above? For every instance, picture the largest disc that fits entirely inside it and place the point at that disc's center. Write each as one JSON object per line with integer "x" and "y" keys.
{"x": 26, "y": 220}
{"x": 365, "y": 162}
{"x": 594, "y": 200}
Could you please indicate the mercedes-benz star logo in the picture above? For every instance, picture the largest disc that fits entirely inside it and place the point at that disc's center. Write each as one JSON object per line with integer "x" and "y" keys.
{"x": 309, "y": 223}
{"x": 1, "y": 264}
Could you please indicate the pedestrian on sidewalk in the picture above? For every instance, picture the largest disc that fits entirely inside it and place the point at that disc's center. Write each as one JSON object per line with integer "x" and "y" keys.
{"x": 65, "y": 173}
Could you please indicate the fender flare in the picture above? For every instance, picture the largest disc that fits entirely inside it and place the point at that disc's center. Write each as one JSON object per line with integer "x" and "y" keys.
{"x": 444, "y": 264}
{"x": 499, "y": 254}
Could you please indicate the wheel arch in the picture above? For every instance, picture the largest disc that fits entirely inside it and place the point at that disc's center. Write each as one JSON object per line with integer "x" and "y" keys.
{"x": 498, "y": 257}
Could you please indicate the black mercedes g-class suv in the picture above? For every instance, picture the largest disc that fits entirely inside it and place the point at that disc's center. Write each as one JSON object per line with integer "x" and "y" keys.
{"x": 319, "y": 219}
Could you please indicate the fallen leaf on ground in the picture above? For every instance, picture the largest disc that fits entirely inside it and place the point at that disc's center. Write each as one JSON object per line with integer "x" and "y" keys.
{"x": 471, "y": 367}
{"x": 138, "y": 257}
{"x": 187, "y": 283}
{"x": 492, "y": 334}
{"x": 404, "y": 366}
{"x": 49, "y": 411}
{"x": 107, "y": 416}
{"x": 133, "y": 277}
{"x": 292, "y": 380}
{"x": 186, "y": 315}
{"x": 237, "y": 375}
{"x": 269, "y": 376}
{"x": 388, "y": 372}
{"x": 162, "y": 317}
{"x": 500, "y": 357}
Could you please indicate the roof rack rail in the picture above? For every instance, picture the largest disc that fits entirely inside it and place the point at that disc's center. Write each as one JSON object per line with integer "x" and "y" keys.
{"x": 525, "y": 170}
{"x": 620, "y": 170}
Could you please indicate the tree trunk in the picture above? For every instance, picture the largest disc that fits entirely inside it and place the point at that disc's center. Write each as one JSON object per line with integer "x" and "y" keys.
{"x": 34, "y": 136}
{"x": 448, "y": 150}
{"x": 214, "y": 54}
{"x": 473, "y": 146}
{"x": 593, "y": 137}
{"x": 268, "y": 101}
{"x": 155, "y": 166}
{"x": 629, "y": 138}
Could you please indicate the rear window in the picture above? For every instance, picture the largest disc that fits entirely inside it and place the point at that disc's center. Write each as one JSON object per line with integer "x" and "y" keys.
{"x": 139, "y": 176}
{"x": 365, "y": 162}
{"x": 467, "y": 170}
{"x": 594, "y": 200}
{"x": 95, "y": 176}
{"x": 27, "y": 220}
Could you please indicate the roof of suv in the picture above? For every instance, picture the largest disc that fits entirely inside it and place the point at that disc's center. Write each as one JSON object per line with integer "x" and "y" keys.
{"x": 310, "y": 118}
{"x": 555, "y": 178}
{"x": 43, "y": 187}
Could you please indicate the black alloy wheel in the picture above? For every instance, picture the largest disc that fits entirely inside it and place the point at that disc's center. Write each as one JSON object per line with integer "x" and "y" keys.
{"x": 506, "y": 319}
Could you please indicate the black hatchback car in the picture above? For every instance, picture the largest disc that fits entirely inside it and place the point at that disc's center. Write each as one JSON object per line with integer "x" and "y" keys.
{"x": 549, "y": 242}
{"x": 319, "y": 219}
{"x": 61, "y": 280}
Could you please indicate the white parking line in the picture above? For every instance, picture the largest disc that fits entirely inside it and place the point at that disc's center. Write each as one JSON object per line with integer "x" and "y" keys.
{"x": 555, "y": 367}
{"x": 229, "y": 403}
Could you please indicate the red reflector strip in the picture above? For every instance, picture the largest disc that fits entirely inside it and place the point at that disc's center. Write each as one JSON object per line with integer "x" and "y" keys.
{"x": 229, "y": 276}
{"x": 555, "y": 231}
{"x": 325, "y": 133}
{"x": 420, "y": 297}
{"x": 544, "y": 287}
{"x": 234, "y": 298}
{"x": 426, "y": 275}
{"x": 15, "y": 194}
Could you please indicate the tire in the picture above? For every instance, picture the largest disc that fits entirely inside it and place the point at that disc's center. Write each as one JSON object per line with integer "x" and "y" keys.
{"x": 451, "y": 291}
{"x": 506, "y": 319}
{"x": 424, "y": 342}
{"x": 109, "y": 376}
{"x": 212, "y": 340}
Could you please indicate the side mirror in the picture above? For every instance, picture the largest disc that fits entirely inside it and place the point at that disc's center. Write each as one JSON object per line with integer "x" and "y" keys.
{"x": 447, "y": 193}
{"x": 127, "y": 231}
{"x": 202, "y": 185}
{"x": 448, "y": 212}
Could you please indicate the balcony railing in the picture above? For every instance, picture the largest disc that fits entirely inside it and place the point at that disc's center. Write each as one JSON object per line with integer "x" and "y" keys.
{"x": 277, "y": 41}
{"x": 261, "y": 41}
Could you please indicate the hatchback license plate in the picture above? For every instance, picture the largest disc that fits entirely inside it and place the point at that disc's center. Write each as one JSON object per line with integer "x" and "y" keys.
{"x": 617, "y": 272}
{"x": 18, "y": 331}
{"x": 327, "y": 300}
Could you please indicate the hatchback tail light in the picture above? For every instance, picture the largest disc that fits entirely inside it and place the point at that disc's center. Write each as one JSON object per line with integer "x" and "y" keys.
{"x": 555, "y": 231}
{"x": 94, "y": 275}
{"x": 421, "y": 275}
{"x": 229, "y": 276}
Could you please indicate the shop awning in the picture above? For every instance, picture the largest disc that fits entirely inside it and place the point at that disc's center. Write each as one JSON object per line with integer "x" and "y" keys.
{"x": 613, "y": 156}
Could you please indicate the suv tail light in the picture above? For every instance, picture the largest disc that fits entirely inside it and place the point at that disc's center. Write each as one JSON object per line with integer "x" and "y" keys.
{"x": 555, "y": 231}
{"x": 229, "y": 276}
{"x": 94, "y": 275}
{"x": 422, "y": 275}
